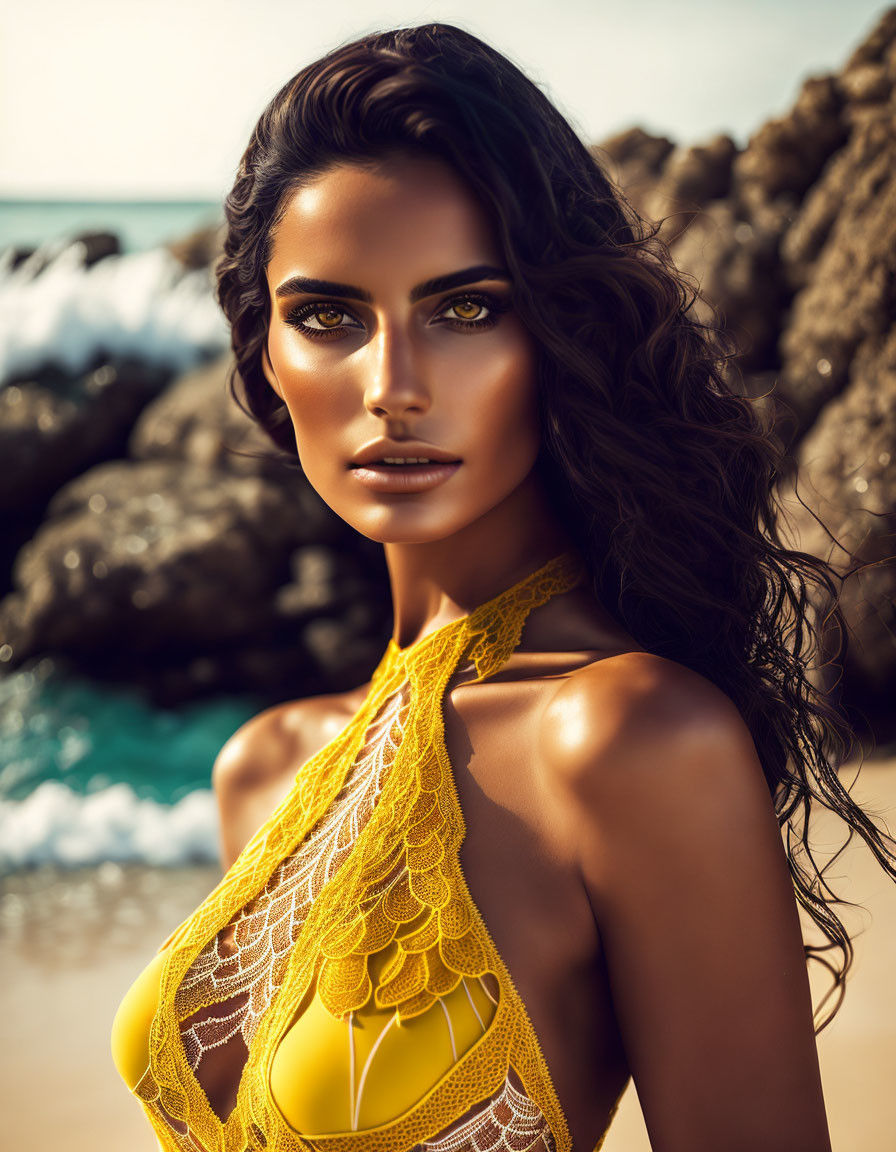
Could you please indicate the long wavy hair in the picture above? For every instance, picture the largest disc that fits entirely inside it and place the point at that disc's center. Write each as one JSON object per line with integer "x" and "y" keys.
{"x": 661, "y": 471}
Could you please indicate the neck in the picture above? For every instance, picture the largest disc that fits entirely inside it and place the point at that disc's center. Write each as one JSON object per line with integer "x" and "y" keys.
{"x": 439, "y": 581}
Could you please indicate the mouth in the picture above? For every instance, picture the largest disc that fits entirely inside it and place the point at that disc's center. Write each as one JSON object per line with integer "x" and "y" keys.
{"x": 404, "y": 474}
{"x": 404, "y": 462}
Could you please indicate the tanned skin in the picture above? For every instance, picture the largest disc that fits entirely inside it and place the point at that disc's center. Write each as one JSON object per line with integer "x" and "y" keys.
{"x": 621, "y": 843}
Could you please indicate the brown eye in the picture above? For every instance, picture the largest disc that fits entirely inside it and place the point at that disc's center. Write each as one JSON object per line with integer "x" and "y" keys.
{"x": 473, "y": 312}
{"x": 320, "y": 320}
{"x": 467, "y": 309}
{"x": 332, "y": 318}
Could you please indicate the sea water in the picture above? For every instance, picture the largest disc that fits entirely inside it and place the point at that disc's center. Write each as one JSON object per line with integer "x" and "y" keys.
{"x": 138, "y": 224}
{"x": 55, "y": 309}
{"x": 94, "y": 772}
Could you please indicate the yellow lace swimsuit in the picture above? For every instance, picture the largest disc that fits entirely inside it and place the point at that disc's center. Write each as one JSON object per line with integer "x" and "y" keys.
{"x": 343, "y": 954}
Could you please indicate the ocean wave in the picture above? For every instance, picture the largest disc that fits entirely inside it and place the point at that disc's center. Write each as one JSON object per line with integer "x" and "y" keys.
{"x": 57, "y": 725}
{"x": 54, "y": 825}
{"x": 143, "y": 305}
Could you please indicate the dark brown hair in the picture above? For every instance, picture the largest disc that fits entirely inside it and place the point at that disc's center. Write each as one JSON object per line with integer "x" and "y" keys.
{"x": 664, "y": 475}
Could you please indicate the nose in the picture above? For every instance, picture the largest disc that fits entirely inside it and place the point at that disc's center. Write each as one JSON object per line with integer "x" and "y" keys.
{"x": 395, "y": 385}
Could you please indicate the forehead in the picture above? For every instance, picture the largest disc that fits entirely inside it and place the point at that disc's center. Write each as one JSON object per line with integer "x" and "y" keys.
{"x": 404, "y": 218}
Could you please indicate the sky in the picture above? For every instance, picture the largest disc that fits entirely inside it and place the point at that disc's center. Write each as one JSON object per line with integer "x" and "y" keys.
{"x": 106, "y": 100}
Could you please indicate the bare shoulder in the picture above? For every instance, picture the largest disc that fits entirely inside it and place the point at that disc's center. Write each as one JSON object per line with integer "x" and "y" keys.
{"x": 257, "y": 765}
{"x": 278, "y": 739}
{"x": 663, "y": 800}
{"x": 637, "y": 729}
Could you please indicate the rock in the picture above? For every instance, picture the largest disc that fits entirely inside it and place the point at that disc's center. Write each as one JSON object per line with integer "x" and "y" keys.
{"x": 866, "y": 84}
{"x": 799, "y": 257}
{"x": 690, "y": 179}
{"x": 55, "y": 425}
{"x": 90, "y": 248}
{"x": 146, "y": 554}
{"x": 785, "y": 157}
{"x": 320, "y": 585}
{"x": 634, "y": 159}
{"x": 736, "y": 265}
{"x": 187, "y": 569}
{"x": 197, "y": 420}
{"x": 97, "y": 246}
{"x": 201, "y": 248}
{"x": 843, "y": 249}
{"x": 16, "y": 255}
{"x": 848, "y": 481}
{"x": 877, "y": 47}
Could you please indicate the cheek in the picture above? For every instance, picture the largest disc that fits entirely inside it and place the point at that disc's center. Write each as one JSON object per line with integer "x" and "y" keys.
{"x": 319, "y": 406}
{"x": 507, "y": 411}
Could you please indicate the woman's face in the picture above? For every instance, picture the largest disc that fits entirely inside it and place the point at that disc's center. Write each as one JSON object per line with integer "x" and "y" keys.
{"x": 391, "y": 337}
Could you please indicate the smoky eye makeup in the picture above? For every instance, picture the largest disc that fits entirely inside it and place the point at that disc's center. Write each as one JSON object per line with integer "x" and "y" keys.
{"x": 464, "y": 312}
{"x": 321, "y": 319}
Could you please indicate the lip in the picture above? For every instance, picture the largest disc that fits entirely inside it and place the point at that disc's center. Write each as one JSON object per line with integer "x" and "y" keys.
{"x": 404, "y": 478}
{"x": 376, "y": 450}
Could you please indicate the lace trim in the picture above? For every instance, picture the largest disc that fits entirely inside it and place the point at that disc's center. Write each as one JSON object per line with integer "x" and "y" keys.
{"x": 509, "y": 1122}
{"x": 246, "y": 961}
{"x": 398, "y": 880}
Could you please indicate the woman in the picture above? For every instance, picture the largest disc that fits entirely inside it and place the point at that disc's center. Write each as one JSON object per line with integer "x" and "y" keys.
{"x": 539, "y": 852}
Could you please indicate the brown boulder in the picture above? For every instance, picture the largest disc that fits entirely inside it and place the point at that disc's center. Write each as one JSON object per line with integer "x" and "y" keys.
{"x": 689, "y": 179}
{"x": 847, "y": 479}
{"x": 634, "y": 160}
{"x": 843, "y": 249}
{"x": 786, "y": 156}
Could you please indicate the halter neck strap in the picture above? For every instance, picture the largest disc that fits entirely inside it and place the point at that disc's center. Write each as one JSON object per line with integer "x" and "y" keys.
{"x": 489, "y": 633}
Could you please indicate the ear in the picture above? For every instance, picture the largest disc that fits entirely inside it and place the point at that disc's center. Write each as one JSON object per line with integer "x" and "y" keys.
{"x": 269, "y": 374}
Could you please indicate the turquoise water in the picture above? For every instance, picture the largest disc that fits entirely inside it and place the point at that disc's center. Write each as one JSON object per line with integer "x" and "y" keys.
{"x": 93, "y": 771}
{"x": 89, "y": 736}
{"x": 139, "y": 224}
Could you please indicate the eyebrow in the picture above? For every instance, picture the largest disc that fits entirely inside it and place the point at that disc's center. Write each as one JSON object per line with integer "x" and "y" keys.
{"x": 428, "y": 288}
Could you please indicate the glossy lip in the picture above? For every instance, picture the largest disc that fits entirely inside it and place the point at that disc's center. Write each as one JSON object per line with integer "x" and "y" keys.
{"x": 404, "y": 478}
{"x": 374, "y": 452}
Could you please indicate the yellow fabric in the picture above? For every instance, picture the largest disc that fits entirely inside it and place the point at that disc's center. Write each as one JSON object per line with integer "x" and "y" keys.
{"x": 391, "y": 957}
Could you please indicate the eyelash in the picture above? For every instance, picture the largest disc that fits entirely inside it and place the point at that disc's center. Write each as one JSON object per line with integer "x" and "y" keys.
{"x": 495, "y": 307}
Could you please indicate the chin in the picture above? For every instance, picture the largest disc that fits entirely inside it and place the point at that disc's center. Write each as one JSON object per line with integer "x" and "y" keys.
{"x": 424, "y": 518}
{"x": 388, "y": 528}
{"x": 421, "y": 524}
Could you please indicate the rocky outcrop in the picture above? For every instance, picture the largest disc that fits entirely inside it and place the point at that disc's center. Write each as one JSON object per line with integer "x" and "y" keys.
{"x": 847, "y": 481}
{"x": 841, "y": 257}
{"x": 737, "y": 266}
{"x": 198, "y": 419}
{"x": 201, "y": 249}
{"x": 635, "y": 160}
{"x": 178, "y": 533}
{"x": 199, "y": 564}
{"x": 690, "y": 178}
{"x": 94, "y": 246}
{"x": 786, "y": 156}
{"x": 793, "y": 243}
{"x": 53, "y": 427}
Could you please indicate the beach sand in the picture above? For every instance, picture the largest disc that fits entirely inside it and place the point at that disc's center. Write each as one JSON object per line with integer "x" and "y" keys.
{"x": 72, "y": 943}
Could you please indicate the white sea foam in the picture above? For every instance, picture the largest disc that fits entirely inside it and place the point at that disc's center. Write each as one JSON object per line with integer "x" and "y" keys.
{"x": 143, "y": 305}
{"x": 55, "y": 825}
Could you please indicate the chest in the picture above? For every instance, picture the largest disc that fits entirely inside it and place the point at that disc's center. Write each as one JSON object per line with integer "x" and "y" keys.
{"x": 419, "y": 856}
{"x": 521, "y": 869}
{"x": 517, "y": 855}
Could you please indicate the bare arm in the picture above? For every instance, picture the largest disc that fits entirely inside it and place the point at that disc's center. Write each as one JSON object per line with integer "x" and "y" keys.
{"x": 251, "y": 774}
{"x": 258, "y": 765}
{"x": 684, "y": 865}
